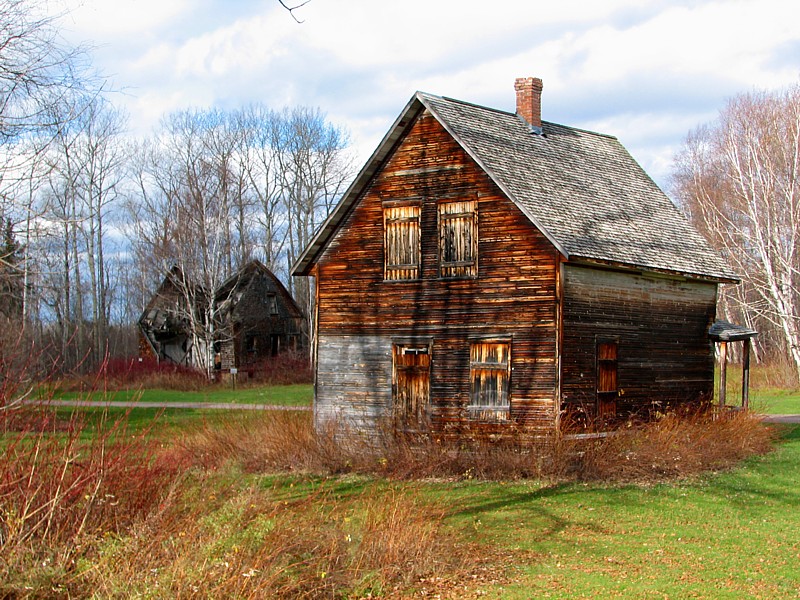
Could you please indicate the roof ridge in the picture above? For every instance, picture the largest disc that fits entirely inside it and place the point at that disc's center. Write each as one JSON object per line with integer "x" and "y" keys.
{"x": 513, "y": 114}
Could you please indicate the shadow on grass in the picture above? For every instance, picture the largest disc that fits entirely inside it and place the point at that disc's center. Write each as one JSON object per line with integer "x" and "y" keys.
{"x": 762, "y": 488}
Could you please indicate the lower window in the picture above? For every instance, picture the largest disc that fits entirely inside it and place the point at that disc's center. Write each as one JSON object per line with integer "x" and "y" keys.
{"x": 490, "y": 370}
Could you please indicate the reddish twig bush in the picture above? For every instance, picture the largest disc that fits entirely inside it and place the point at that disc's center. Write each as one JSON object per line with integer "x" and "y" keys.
{"x": 285, "y": 369}
{"x": 136, "y": 372}
{"x": 62, "y": 482}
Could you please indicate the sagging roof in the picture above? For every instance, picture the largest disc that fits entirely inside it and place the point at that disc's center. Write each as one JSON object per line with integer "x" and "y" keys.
{"x": 242, "y": 279}
{"x": 582, "y": 190}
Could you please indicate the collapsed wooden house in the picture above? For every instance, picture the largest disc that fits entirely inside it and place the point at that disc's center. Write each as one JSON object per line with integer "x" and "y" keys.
{"x": 165, "y": 325}
{"x": 255, "y": 319}
{"x": 489, "y": 270}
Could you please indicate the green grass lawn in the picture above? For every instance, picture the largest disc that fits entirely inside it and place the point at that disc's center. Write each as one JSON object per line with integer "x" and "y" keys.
{"x": 732, "y": 534}
{"x": 728, "y": 535}
{"x": 283, "y": 395}
{"x": 776, "y": 401}
{"x": 769, "y": 400}
{"x": 168, "y": 420}
{"x": 725, "y": 535}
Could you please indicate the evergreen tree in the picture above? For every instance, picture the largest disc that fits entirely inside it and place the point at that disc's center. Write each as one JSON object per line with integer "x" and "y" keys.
{"x": 11, "y": 280}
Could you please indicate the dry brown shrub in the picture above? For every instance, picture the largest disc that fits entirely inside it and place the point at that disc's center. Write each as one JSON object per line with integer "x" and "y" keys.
{"x": 270, "y": 441}
{"x": 679, "y": 444}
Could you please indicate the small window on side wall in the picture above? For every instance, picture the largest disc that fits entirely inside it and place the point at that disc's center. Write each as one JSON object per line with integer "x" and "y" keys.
{"x": 490, "y": 371}
{"x": 458, "y": 239}
{"x": 401, "y": 242}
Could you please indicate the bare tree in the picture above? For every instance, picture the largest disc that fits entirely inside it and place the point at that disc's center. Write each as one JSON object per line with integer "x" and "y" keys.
{"x": 314, "y": 172}
{"x": 40, "y": 75}
{"x": 84, "y": 173}
{"x": 739, "y": 180}
{"x": 45, "y": 84}
{"x": 260, "y": 134}
{"x": 217, "y": 189}
{"x": 190, "y": 214}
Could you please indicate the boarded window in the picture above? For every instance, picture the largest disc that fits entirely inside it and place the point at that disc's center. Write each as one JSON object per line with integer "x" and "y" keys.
{"x": 607, "y": 379}
{"x": 458, "y": 239}
{"x": 490, "y": 369}
{"x": 606, "y": 367}
{"x": 272, "y": 304}
{"x": 401, "y": 229}
{"x": 411, "y": 385}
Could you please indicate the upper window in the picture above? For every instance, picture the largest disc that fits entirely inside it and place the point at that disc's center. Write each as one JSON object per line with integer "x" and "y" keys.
{"x": 458, "y": 239}
{"x": 272, "y": 303}
{"x": 490, "y": 369}
{"x": 401, "y": 230}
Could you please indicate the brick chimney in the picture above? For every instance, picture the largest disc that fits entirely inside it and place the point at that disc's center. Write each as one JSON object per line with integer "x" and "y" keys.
{"x": 529, "y": 101}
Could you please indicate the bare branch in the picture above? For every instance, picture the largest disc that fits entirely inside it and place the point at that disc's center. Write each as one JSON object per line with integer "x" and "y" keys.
{"x": 291, "y": 9}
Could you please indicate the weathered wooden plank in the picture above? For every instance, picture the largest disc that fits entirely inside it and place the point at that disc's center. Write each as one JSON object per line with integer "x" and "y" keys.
{"x": 660, "y": 325}
{"x": 512, "y": 296}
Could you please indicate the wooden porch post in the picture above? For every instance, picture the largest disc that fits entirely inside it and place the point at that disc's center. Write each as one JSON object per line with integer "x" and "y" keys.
{"x": 745, "y": 373}
{"x": 723, "y": 374}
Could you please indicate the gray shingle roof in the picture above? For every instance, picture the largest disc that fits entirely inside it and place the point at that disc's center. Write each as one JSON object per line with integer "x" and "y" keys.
{"x": 581, "y": 189}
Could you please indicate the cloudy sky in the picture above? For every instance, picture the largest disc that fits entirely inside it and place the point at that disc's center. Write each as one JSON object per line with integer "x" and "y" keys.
{"x": 644, "y": 71}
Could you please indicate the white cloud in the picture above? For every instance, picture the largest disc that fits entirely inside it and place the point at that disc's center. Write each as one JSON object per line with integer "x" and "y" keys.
{"x": 108, "y": 20}
{"x": 644, "y": 71}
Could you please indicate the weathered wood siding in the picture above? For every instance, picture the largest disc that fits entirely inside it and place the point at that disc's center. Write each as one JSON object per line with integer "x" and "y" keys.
{"x": 661, "y": 329}
{"x": 354, "y": 380}
{"x": 361, "y": 314}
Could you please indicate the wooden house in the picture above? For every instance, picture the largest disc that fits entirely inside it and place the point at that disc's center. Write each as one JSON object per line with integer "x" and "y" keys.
{"x": 165, "y": 326}
{"x": 488, "y": 270}
{"x": 257, "y": 319}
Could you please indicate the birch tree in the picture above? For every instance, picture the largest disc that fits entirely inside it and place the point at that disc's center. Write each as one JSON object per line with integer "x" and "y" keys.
{"x": 85, "y": 168}
{"x": 44, "y": 84}
{"x": 187, "y": 215}
{"x": 738, "y": 180}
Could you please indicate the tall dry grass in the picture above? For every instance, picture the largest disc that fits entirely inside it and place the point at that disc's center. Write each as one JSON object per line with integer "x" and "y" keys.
{"x": 679, "y": 444}
{"x": 111, "y": 515}
{"x": 101, "y": 512}
{"x": 251, "y": 544}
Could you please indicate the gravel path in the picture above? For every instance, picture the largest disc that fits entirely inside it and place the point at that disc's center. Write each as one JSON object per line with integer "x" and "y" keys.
{"x": 228, "y": 406}
{"x": 781, "y": 418}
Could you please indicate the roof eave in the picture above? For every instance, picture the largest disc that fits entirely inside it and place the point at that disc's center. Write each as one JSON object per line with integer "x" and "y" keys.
{"x": 319, "y": 242}
{"x": 709, "y": 277}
